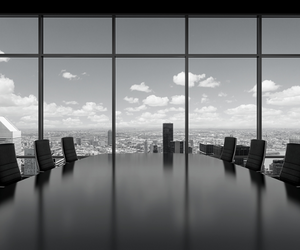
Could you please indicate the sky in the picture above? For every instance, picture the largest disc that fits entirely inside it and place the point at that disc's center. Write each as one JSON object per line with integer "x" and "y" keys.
{"x": 78, "y": 93}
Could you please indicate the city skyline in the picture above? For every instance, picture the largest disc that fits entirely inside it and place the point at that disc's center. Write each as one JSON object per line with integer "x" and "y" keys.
{"x": 78, "y": 91}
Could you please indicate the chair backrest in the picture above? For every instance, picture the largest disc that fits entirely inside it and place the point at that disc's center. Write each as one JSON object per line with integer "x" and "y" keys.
{"x": 68, "y": 147}
{"x": 229, "y": 149}
{"x": 43, "y": 155}
{"x": 291, "y": 166}
{"x": 9, "y": 169}
{"x": 257, "y": 153}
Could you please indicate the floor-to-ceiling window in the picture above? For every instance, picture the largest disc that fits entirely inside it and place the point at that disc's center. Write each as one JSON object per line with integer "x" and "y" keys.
{"x": 77, "y": 83}
{"x": 121, "y": 77}
{"x": 280, "y": 87}
{"x": 19, "y": 86}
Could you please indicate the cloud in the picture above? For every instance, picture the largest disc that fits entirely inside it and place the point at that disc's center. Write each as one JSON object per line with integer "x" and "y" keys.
{"x": 3, "y": 59}
{"x": 172, "y": 109}
{"x": 244, "y": 109}
{"x": 287, "y": 97}
{"x": 179, "y": 79}
{"x": 131, "y": 99}
{"x": 98, "y": 118}
{"x": 136, "y": 109}
{"x": 72, "y": 122}
{"x": 222, "y": 94}
{"x": 208, "y": 109}
{"x": 178, "y": 99}
{"x": 267, "y": 86}
{"x": 209, "y": 83}
{"x": 54, "y": 110}
{"x": 9, "y": 99}
{"x": 204, "y": 98}
{"x": 70, "y": 102}
{"x": 142, "y": 87}
{"x": 148, "y": 115}
{"x": 93, "y": 107}
{"x": 68, "y": 75}
{"x": 156, "y": 101}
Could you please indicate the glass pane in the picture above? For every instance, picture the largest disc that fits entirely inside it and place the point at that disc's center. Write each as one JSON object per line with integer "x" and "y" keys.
{"x": 150, "y": 35}
{"x": 222, "y": 102}
{"x": 18, "y": 35}
{"x": 281, "y": 35}
{"x": 78, "y": 104}
{"x": 19, "y": 108}
{"x": 77, "y": 35}
{"x": 281, "y": 100}
{"x": 222, "y": 35}
{"x": 149, "y": 94}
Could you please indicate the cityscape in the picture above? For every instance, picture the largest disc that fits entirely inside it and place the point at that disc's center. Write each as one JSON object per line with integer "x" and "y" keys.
{"x": 167, "y": 139}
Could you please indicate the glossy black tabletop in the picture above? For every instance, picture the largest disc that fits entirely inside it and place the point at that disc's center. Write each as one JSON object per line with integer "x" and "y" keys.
{"x": 150, "y": 201}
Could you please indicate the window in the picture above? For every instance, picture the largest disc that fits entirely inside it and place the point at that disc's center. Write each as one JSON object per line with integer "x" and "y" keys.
{"x": 281, "y": 35}
{"x": 77, "y": 35}
{"x": 222, "y": 35}
{"x": 78, "y": 104}
{"x": 281, "y": 98}
{"x": 150, "y": 35}
{"x": 19, "y": 107}
{"x": 150, "y": 92}
{"x": 150, "y": 84}
{"x": 222, "y": 101}
{"x": 18, "y": 35}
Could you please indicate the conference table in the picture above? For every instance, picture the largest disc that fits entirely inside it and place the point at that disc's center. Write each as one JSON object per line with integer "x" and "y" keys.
{"x": 149, "y": 201}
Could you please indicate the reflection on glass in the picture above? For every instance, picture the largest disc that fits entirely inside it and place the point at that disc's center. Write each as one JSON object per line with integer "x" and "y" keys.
{"x": 281, "y": 35}
{"x": 150, "y": 35}
{"x": 77, "y": 35}
{"x": 78, "y": 104}
{"x": 19, "y": 106}
{"x": 222, "y": 103}
{"x": 18, "y": 35}
{"x": 280, "y": 103}
{"x": 222, "y": 35}
{"x": 150, "y": 92}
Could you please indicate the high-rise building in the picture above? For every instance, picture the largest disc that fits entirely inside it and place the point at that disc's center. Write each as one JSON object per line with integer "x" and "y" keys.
{"x": 146, "y": 146}
{"x": 276, "y": 167}
{"x": 109, "y": 138}
{"x": 207, "y": 149}
{"x": 177, "y": 146}
{"x": 10, "y": 134}
{"x": 30, "y": 167}
{"x": 167, "y": 137}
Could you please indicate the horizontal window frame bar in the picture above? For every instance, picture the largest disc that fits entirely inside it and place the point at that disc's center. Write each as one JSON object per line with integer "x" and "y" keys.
{"x": 154, "y": 15}
{"x": 109, "y": 55}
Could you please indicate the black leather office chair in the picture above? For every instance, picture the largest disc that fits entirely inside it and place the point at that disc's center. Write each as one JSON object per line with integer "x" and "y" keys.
{"x": 68, "y": 147}
{"x": 9, "y": 169}
{"x": 257, "y": 153}
{"x": 229, "y": 149}
{"x": 43, "y": 155}
{"x": 291, "y": 166}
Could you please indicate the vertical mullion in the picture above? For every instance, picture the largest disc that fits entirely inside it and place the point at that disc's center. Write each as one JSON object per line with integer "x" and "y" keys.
{"x": 113, "y": 84}
{"x": 186, "y": 84}
{"x": 40, "y": 78}
{"x": 259, "y": 78}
